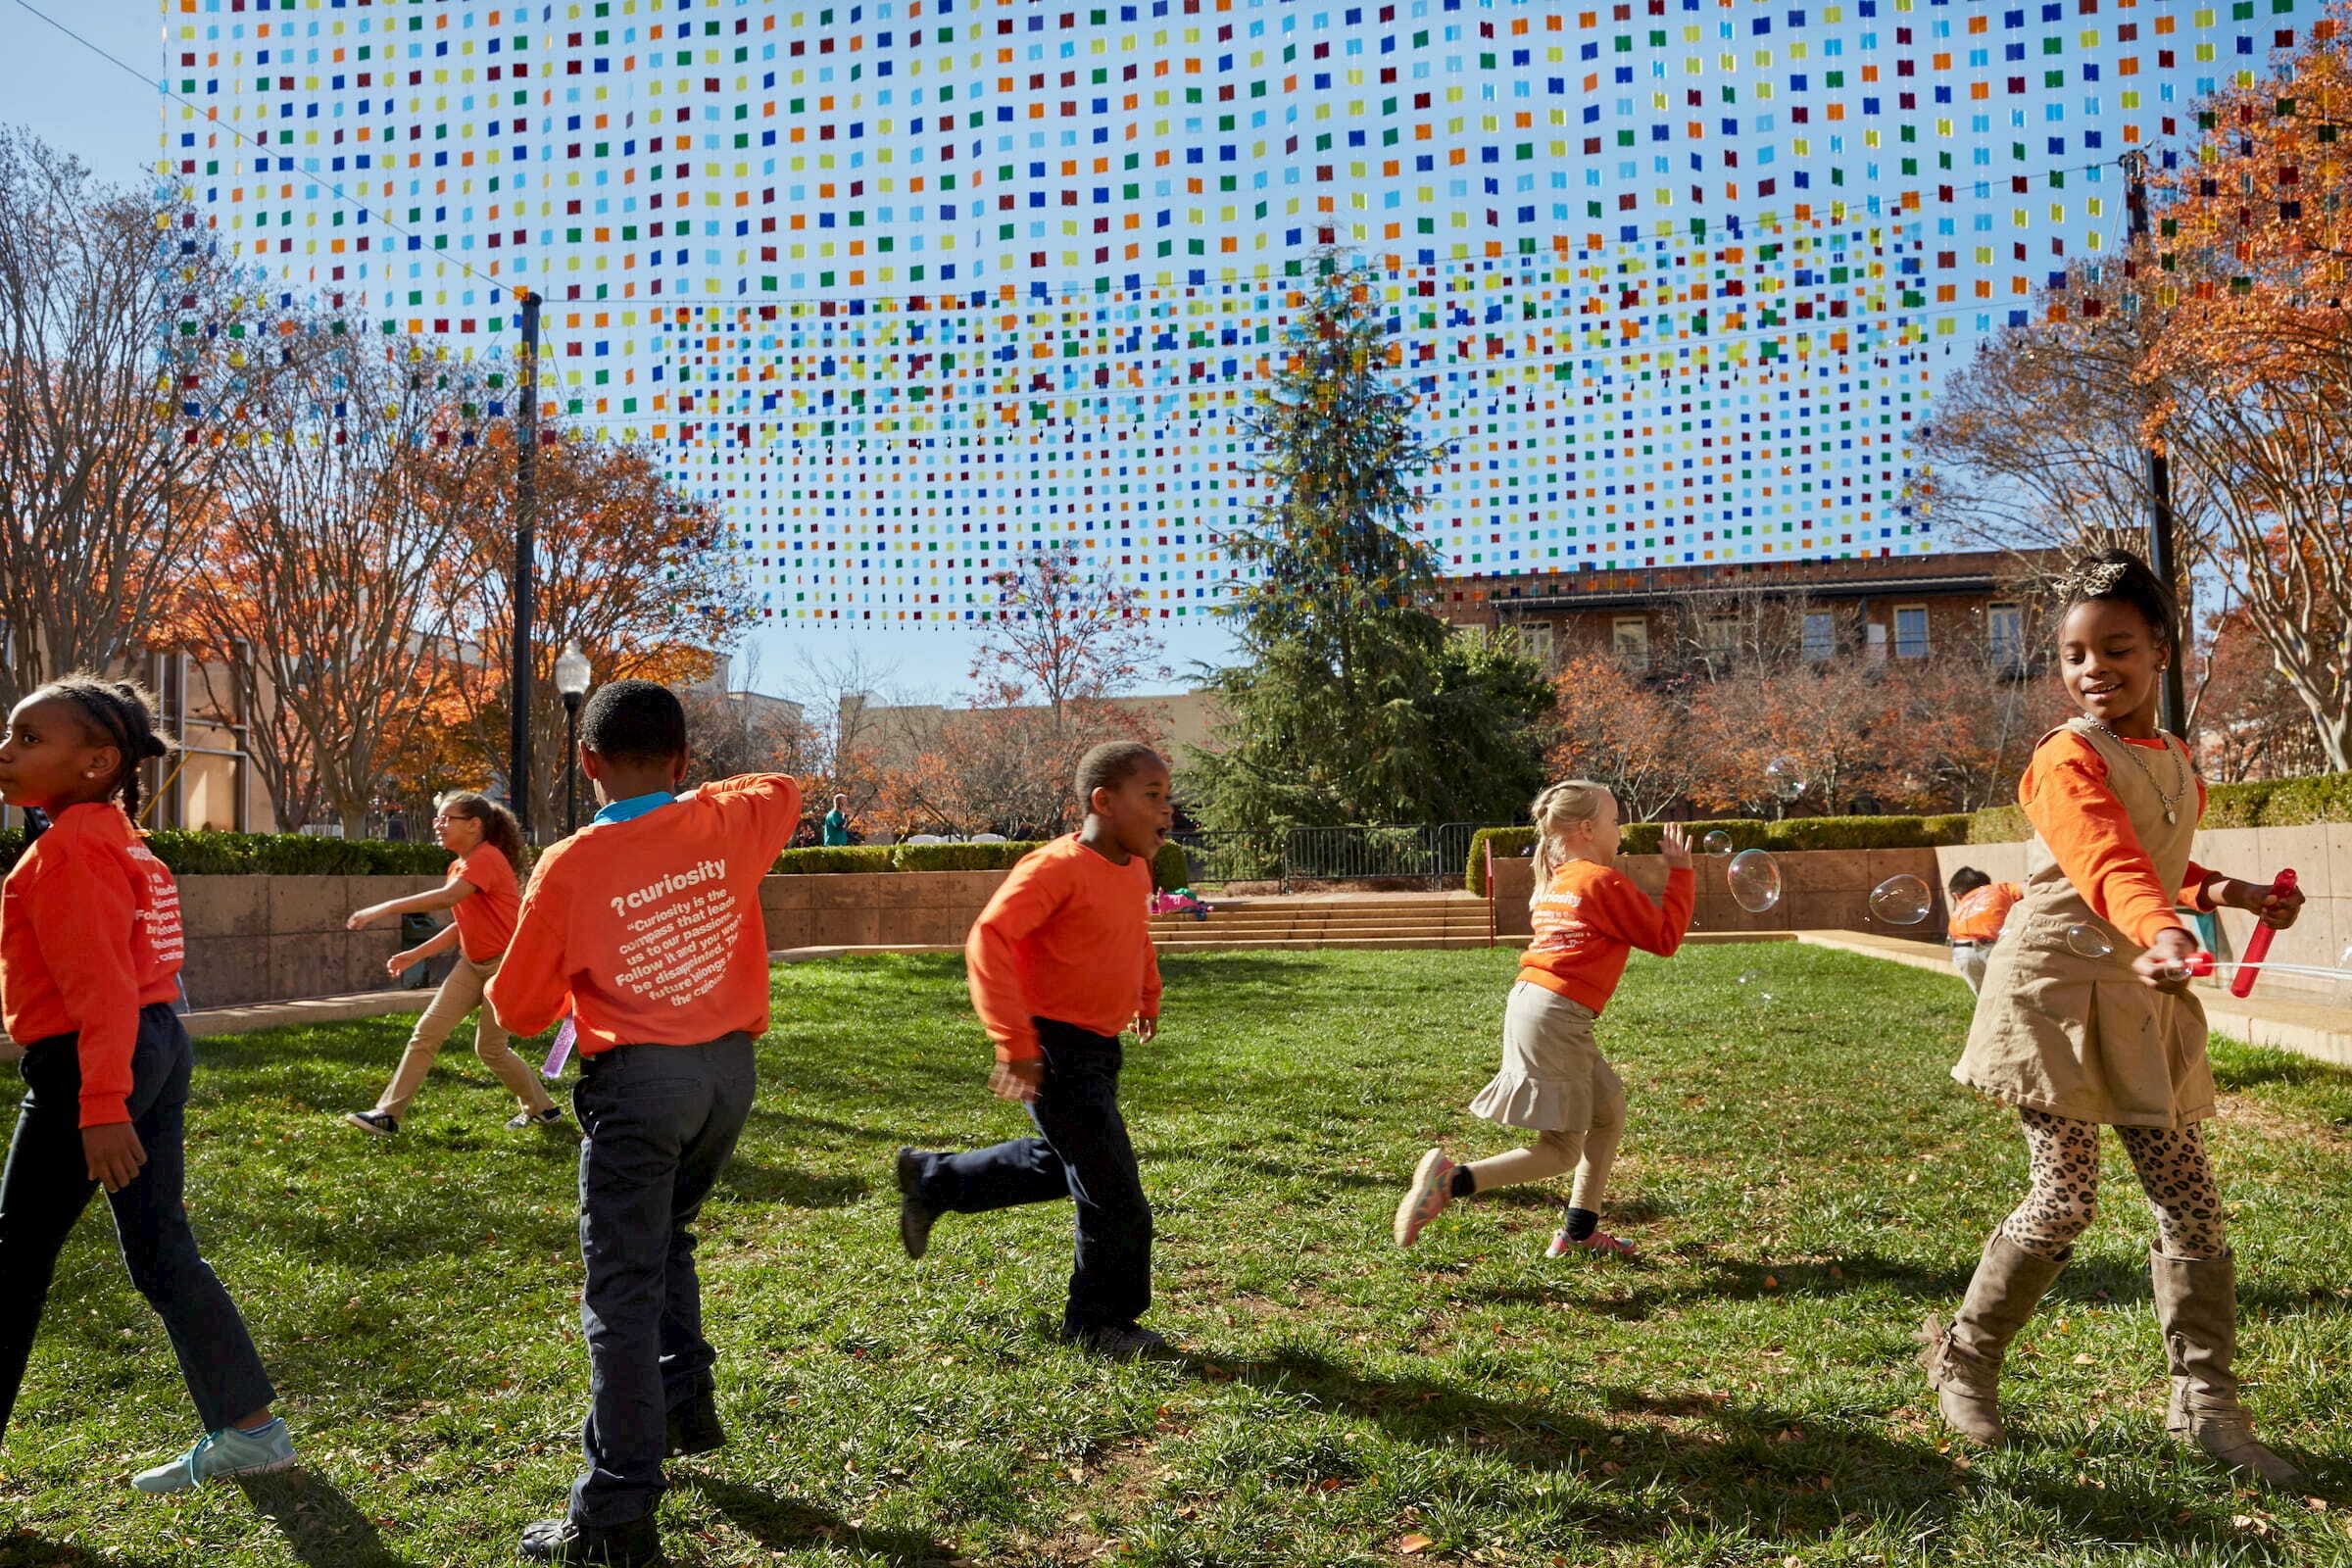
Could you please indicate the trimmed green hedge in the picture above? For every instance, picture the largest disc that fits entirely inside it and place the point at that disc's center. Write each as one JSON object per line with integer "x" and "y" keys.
{"x": 2270, "y": 803}
{"x": 193, "y": 853}
{"x": 1170, "y": 868}
{"x": 833, "y": 860}
{"x": 958, "y": 856}
{"x": 1167, "y": 866}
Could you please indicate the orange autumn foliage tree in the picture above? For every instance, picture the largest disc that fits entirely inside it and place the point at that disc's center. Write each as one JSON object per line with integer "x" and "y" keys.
{"x": 626, "y": 565}
{"x": 2226, "y": 339}
{"x": 1624, "y": 732}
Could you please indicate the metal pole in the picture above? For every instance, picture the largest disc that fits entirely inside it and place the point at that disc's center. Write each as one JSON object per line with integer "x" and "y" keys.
{"x": 571, "y": 759}
{"x": 526, "y": 517}
{"x": 2173, "y": 709}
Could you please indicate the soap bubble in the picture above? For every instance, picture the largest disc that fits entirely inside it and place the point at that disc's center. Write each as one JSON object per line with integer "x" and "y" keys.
{"x": 1717, "y": 842}
{"x": 1785, "y": 778}
{"x": 1749, "y": 978}
{"x": 1755, "y": 881}
{"x": 1901, "y": 900}
{"x": 2089, "y": 941}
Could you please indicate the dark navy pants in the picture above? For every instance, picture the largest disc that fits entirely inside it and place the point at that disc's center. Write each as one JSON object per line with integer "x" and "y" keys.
{"x": 47, "y": 1184}
{"x": 1081, "y": 1153}
{"x": 660, "y": 1123}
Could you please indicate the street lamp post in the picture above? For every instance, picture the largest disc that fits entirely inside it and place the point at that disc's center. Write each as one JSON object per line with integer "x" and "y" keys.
{"x": 572, "y": 679}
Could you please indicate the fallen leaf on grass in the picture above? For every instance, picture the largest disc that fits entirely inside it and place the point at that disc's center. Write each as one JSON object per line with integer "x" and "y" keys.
{"x": 1414, "y": 1545}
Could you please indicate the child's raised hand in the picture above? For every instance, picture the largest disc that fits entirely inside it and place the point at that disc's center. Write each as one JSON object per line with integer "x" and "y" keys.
{"x": 397, "y": 963}
{"x": 1018, "y": 1080}
{"x": 1674, "y": 841}
{"x": 360, "y": 920}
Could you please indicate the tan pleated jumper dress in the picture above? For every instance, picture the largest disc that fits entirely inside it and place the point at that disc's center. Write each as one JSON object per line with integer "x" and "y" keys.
{"x": 2082, "y": 1038}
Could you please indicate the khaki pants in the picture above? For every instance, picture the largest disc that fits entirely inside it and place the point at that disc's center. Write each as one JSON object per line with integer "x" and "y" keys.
{"x": 460, "y": 995}
{"x": 1971, "y": 961}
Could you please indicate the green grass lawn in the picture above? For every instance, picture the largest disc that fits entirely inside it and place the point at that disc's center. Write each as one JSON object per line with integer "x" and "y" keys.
{"x": 1804, "y": 1180}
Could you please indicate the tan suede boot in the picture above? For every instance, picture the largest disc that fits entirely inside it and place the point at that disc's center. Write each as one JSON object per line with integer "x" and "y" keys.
{"x": 2196, "y": 1306}
{"x": 1964, "y": 1359}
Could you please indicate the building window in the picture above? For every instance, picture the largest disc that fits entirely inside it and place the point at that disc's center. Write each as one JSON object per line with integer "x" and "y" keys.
{"x": 2005, "y": 634}
{"x": 1821, "y": 634}
{"x": 1874, "y": 636}
{"x": 1910, "y": 631}
{"x": 1628, "y": 638}
{"x": 1535, "y": 641}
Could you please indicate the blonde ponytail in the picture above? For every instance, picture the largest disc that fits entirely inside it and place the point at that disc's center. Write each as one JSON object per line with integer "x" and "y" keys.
{"x": 1558, "y": 809}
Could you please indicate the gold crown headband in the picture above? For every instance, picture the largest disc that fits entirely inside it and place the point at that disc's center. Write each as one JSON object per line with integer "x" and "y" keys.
{"x": 2096, "y": 580}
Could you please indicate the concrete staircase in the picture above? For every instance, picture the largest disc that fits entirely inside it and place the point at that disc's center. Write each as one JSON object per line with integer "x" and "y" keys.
{"x": 1371, "y": 920}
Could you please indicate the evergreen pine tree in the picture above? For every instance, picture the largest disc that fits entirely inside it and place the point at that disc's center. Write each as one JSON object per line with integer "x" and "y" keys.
{"x": 1352, "y": 703}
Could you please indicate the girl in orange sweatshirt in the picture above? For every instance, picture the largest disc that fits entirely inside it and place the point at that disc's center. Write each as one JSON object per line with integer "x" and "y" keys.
{"x": 90, "y": 950}
{"x": 2085, "y": 1021}
{"x": 1588, "y": 917}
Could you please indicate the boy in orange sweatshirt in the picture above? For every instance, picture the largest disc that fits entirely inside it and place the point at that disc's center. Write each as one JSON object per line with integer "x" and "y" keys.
{"x": 1060, "y": 962}
{"x": 645, "y": 927}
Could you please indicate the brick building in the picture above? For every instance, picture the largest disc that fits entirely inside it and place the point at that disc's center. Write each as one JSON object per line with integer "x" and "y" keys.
{"x": 1666, "y": 618}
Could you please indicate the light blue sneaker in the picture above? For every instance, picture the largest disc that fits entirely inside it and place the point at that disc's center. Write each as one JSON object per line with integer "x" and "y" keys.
{"x": 228, "y": 1451}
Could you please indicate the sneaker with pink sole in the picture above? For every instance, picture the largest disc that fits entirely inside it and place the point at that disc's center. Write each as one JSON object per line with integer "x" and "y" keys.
{"x": 1562, "y": 1244}
{"x": 1427, "y": 1197}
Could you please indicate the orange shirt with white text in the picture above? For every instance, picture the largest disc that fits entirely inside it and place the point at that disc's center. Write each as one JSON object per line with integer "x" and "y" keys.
{"x": 649, "y": 931}
{"x": 1590, "y": 918}
{"x": 90, "y": 934}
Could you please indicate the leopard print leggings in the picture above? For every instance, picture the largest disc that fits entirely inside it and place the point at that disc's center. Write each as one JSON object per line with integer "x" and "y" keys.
{"x": 2173, "y": 1172}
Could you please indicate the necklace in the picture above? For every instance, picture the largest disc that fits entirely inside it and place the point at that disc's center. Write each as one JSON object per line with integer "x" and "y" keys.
{"x": 2180, "y": 769}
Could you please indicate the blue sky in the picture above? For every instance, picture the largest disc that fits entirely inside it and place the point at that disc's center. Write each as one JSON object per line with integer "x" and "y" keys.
{"x": 68, "y": 95}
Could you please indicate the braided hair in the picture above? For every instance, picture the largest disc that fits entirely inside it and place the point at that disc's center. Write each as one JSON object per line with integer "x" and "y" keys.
{"x": 2124, "y": 578}
{"x": 120, "y": 714}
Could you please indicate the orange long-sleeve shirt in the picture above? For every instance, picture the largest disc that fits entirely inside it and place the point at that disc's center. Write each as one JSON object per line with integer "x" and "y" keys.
{"x": 90, "y": 934}
{"x": 1981, "y": 911}
{"x": 2066, "y": 796}
{"x": 1590, "y": 918}
{"x": 648, "y": 931}
{"x": 1067, "y": 937}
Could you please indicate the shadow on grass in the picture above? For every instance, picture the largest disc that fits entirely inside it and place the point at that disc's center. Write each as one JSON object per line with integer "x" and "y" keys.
{"x": 1739, "y": 1280}
{"x": 751, "y": 1183}
{"x": 788, "y": 1523}
{"x": 1777, "y": 1475}
{"x": 321, "y": 1527}
{"x": 29, "y": 1548}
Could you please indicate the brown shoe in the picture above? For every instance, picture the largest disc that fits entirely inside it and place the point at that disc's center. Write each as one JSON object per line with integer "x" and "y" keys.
{"x": 1964, "y": 1358}
{"x": 2196, "y": 1306}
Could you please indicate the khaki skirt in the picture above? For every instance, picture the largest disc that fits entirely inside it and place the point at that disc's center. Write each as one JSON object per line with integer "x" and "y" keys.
{"x": 1552, "y": 1071}
{"x": 2082, "y": 1038}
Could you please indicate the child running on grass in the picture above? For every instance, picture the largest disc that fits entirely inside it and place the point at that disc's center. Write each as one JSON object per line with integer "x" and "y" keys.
{"x": 1979, "y": 908}
{"x": 481, "y": 889}
{"x": 90, "y": 948}
{"x": 645, "y": 926}
{"x": 1589, "y": 916}
{"x": 1061, "y": 961}
{"x": 2077, "y": 1042}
